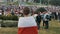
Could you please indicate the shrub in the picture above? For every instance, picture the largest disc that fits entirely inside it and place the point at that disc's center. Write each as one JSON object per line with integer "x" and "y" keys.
{"x": 9, "y": 24}
{"x": 14, "y": 17}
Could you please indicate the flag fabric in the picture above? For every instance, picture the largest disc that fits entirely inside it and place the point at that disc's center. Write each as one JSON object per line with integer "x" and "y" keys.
{"x": 27, "y": 25}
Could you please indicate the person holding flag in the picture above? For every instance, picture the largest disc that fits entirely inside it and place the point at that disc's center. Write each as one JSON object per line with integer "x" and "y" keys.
{"x": 27, "y": 24}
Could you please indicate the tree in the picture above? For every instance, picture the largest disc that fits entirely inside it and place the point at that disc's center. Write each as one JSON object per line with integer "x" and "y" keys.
{"x": 55, "y": 2}
{"x": 12, "y": 0}
{"x": 41, "y": 9}
{"x": 44, "y": 1}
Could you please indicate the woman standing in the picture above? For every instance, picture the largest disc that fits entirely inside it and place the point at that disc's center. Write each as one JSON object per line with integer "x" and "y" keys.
{"x": 27, "y": 24}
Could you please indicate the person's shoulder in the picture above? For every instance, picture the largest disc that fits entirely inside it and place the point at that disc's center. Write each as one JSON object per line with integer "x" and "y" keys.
{"x": 20, "y": 17}
{"x": 31, "y": 17}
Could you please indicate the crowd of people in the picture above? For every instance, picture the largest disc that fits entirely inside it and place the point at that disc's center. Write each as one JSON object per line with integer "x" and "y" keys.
{"x": 30, "y": 24}
{"x": 54, "y": 11}
{"x": 30, "y": 20}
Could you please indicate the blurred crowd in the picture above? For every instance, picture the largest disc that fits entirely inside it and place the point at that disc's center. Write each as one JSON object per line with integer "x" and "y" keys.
{"x": 54, "y": 11}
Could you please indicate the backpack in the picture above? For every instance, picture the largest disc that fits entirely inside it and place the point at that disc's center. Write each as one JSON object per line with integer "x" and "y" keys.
{"x": 47, "y": 17}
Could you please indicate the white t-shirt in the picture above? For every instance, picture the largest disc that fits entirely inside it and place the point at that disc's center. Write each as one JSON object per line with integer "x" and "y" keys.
{"x": 26, "y": 22}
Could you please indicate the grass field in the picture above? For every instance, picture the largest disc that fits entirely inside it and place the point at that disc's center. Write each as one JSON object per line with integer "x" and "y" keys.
{"x": 54, "y": 28}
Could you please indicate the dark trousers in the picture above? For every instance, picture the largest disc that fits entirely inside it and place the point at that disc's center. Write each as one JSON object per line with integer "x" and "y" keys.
{"x": 45, "y": 24}
{"x": 38, "y": 24}
{"x": 59, "y": 16}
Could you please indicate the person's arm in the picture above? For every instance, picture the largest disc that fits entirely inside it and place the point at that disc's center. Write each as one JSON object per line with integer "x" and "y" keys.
{"x": 36, "y": 18}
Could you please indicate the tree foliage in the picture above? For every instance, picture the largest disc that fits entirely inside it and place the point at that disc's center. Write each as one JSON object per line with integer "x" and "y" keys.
{"x": 52, "y": 2}
{"x": 40, "y": 10}
{"x": 55, "y": 2}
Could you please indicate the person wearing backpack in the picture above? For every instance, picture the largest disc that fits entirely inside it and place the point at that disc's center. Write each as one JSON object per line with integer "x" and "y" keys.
{"x": 46, "y": 18}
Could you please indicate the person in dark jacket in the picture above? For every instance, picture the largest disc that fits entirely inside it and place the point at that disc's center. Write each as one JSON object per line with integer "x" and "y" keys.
{"x": 38, "y": 20}
{"x": 46, "y": 20}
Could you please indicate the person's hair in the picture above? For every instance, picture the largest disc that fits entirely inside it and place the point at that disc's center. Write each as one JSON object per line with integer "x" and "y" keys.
{"x": 26, "y": 11}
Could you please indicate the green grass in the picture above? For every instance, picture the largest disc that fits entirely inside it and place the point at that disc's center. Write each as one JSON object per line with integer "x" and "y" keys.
{"x": 8, "y": 30}
{"x": 54, "y": 28}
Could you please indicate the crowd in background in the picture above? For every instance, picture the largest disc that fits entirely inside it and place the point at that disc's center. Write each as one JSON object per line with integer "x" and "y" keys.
{"x": 50, "y": 12}
{"x": 17, "y": 10}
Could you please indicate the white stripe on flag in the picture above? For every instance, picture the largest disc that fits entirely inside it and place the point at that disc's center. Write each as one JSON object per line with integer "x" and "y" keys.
{"x": 26, "y": 22}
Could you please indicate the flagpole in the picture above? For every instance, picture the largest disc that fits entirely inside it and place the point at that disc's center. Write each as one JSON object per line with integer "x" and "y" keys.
{"x": 0, "y": 25}
{"x": 19, "y": 2}
{"x": 48, "y": 2}
{"x": 40, "y": 2}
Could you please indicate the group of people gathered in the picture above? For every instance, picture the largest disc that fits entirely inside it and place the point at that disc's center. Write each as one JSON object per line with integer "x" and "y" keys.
{"x": 30, "y": 24}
